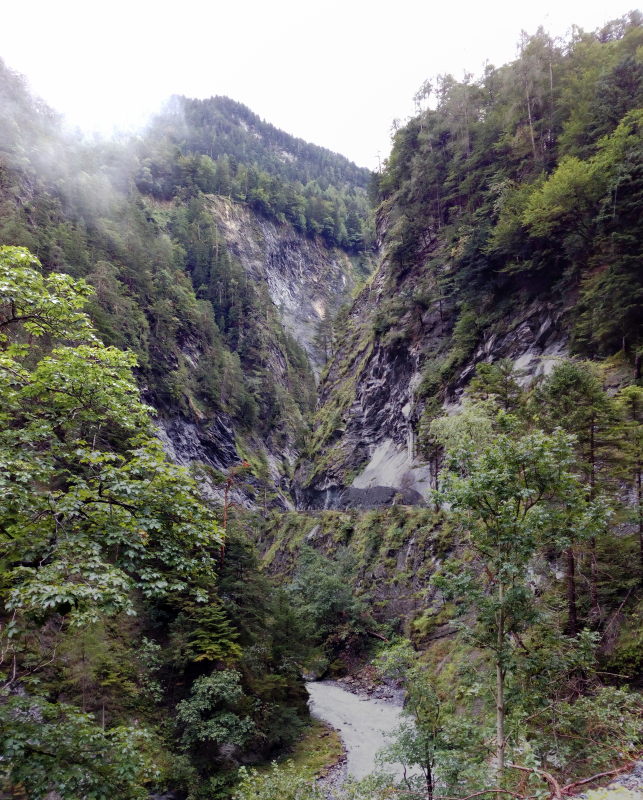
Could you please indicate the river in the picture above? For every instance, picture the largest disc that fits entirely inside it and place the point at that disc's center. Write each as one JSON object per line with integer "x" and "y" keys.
{"x": 362, "y": 723}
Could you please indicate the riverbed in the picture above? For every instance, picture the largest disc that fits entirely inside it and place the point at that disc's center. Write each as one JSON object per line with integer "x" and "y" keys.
{"x": 363, "y": 723}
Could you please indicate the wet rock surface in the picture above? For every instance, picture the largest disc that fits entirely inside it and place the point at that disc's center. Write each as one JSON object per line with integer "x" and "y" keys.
{"x": 331, "y": 782}
{"x": 211, "y": 442}
{"x": 373, "y": 455}
{"x": 342, "y": 499}
{"x": 366, "y": 682}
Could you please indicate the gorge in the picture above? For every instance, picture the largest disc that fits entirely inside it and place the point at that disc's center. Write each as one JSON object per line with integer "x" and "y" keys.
{"x": 266, "y": 414}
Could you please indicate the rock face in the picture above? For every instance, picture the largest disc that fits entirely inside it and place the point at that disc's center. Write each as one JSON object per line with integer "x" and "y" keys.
{"x": 344, "y": 498}
{"x": 534, "y": 340}
{"x": 370, "y": 457}
{"x": 307, "y": 281}
{"x": 365, "y": 438}
{"x": 187, "y": 441}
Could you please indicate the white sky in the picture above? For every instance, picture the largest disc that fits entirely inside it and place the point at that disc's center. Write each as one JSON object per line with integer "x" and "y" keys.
{"x": 335, "y": 73}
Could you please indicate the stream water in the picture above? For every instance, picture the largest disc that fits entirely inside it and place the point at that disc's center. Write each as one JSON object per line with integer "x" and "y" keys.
{"x": 362, "y": 723}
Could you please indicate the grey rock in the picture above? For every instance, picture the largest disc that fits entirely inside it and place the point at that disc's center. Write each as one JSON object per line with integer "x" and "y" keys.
{"x": 210, "y": 442}
{"x": 374, "y": 449}
{"x": 307, "y": 281}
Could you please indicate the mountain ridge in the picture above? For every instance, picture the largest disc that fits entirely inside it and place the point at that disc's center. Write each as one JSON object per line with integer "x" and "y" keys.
{"x": 203, "y": 287}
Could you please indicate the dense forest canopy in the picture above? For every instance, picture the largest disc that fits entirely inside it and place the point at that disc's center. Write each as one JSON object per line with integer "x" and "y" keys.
{"x": 220, "y": 126}
{"x": 220, "y": 146}
{"x": 530, "y": 176}
{"x": 116, "y": 597}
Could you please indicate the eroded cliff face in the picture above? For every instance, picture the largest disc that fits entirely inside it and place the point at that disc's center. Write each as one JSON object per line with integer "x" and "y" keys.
{"x": 365, "y": 442}
{"x": 307, "y": 281}
{"x": 363, "y": 450}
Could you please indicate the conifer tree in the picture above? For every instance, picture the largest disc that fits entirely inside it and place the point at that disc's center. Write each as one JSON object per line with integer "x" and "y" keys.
{"x": 572, "y": 397}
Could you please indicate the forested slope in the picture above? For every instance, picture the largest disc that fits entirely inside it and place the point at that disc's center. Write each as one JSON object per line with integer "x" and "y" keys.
{"x": 216, "y": 356}
{"x": 140, "y": 648}
{"x": 467, "y": 472}
{"x": 489, "y": 373}
{"x": 510, "y": 228}
{"x": 223, "y": 147}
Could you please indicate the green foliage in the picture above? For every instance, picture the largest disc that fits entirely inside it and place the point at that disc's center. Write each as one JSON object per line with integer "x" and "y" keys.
{"x": 207, "y": 340}
{"x": 626, "y": 658}
{"x": 497, "y": 382}
{"x": 283, "y": 781}
{"x": 467, "y": 431}
{"x": 218, "y": 146}
{"x": 439, "y": 750}
{"x": 322, "y": 591}
{"x": 508, "y": 497}
{"x": 366, "y": 542}
{"x": 567, "y": 198}
{"x": 527, "y": 180}
{"x": 42, "y": 305}
{"x": 600, "y": 727}
{"x": 94, "y": 522}
{"x": 203, "y": 632}
{"x": 52, "y": 747}
{"x": 573, "y": 397}
{"x": 96, "y": 519}
{"x": 511, "y": 495}
{"x": 214, "y": 712}
{"x": 387, "y": 316}
{"x": 431, "y": 382}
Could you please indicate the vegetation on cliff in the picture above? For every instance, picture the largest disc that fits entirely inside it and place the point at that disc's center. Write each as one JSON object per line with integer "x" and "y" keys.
{"x": 131, "y": 649}
{"x": 508, "y": 597}
{"x": 207, "y": 339}
{"x": 527, "y": 180}
{"x": 512, "y": 197}
{"x": 509, "y": 196}
{"x": 144, "y": 645}
{"x": 219, "y": 146}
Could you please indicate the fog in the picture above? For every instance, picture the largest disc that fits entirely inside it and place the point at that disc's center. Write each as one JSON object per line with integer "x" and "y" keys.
{"x": 336, "y": 74}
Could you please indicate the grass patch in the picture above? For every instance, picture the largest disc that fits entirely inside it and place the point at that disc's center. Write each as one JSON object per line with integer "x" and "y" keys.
{"x": 317, "y": 749}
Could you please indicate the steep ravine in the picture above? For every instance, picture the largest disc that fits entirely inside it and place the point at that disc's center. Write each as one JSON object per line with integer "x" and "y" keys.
{"x": 370, "y": 401}
{"x": 307, "y": 280}
{"x": 306, "y": 283}
{"x": 364, "y": 451}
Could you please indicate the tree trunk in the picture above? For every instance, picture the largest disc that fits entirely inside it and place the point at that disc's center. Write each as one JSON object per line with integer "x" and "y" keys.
{"x": 228, "y": 484}
{"x": 572, "y": 615}
{"x": 429, "y": 783}
{"x": 593, "y": 572}
{"x": 500, "y": 718}
{"x": 639, "y": 488}
{"x": 531, "y": 127}
{"x": 500, "y": 688}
